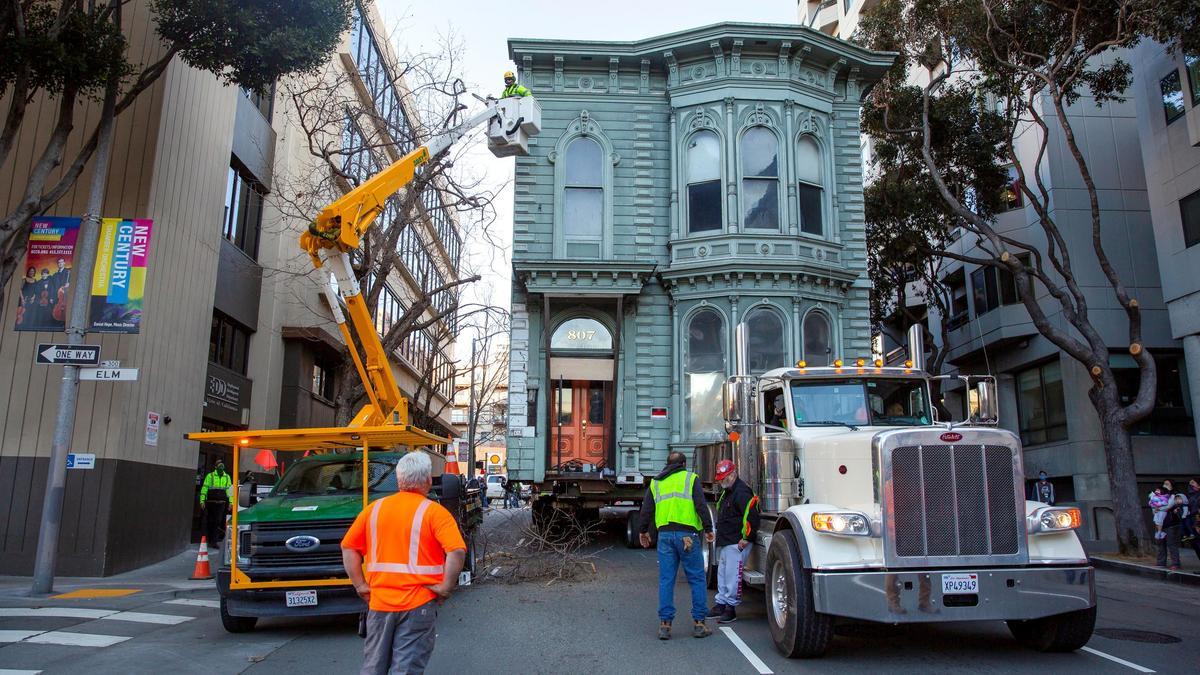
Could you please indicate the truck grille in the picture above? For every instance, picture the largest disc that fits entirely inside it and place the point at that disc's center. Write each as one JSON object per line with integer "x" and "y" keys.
{"x": 268, "y": 549}
{"x": 954, "y": 501}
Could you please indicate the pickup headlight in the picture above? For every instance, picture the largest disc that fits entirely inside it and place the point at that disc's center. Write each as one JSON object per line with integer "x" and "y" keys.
{"x": 1054, "y": 519}
{"x": 243, "y": 545}
{"x": 843, "y": 523}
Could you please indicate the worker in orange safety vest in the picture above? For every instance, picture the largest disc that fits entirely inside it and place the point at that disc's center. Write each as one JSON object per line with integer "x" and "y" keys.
{"x": 411, "y": 551}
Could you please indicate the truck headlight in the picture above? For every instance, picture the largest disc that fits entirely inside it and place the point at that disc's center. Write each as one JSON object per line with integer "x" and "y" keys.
{"x": 243, "y": 545}
{"x": 844, "y": 523}
{"x": 1054, "y": 519}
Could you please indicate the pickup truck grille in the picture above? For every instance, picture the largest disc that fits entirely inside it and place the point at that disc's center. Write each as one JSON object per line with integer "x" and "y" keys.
{"x": 268, "y": 543}
{"x": 953, "y": 501}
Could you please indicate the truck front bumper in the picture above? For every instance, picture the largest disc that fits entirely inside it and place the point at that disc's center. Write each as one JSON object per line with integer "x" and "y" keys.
{"x": 263, "y": 602}
{"x": 915, "y": 596}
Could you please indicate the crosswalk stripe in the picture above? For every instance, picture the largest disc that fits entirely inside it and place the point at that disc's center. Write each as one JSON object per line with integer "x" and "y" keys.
{"x": 67, "y": 612}
{"x": 16, "y": 635}
{"x": 143, "y": 617}
{"x": 57, "y": 637}
{"x": 7, "y": 671}
{"x": 214, "y": 604}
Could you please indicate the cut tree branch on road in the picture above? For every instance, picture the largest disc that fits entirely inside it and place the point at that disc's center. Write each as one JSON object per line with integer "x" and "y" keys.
{"x": 992, "y": 74}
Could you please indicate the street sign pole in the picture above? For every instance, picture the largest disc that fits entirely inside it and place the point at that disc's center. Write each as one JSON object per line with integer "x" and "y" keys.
{"x": 68, "y": 393}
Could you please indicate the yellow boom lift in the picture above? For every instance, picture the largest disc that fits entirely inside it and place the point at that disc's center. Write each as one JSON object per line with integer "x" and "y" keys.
{"x": 384, "y": 421}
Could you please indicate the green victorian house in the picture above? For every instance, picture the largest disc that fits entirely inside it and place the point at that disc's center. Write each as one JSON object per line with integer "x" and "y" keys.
{"x": 680, "y": 185}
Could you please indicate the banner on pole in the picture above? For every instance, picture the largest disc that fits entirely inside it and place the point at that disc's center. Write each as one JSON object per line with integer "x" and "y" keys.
{"x": 119, "y": 282}
{"x": 45, "y": 288}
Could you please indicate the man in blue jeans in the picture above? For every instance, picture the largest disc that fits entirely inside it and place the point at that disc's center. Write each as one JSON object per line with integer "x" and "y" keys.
{"x": 675, "y": 504}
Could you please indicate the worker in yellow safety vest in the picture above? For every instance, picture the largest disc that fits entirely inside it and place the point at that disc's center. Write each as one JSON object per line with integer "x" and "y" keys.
{"x": 511, "y": 88}
{"x": 675, "y": 504}
{"x": 215, "y": 494}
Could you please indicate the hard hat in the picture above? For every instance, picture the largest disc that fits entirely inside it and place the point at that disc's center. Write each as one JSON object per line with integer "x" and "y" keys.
{"x": 724, "y": 468}
{"x": 509, "y": 74}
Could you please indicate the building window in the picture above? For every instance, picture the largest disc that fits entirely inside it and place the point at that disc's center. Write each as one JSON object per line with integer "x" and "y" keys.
{"x": 818, "y": 340}
{"x": 705, "y": 372}
{"x": 760, "y": 179}
{"x": 1192, "y": 66}
{"x": 583, "y": 193}
{"x": 809, "y": 186}
{"x": 228, "y": 343}
{"x": 322, "y": 381}
{"x": 956, "y": 282}
{"x": 1172, "y": 96}
{"x": 986, "y": 292}
{"x": 1008, "y": 282}
{"x": 704, "y": 182}
{"x": 1189, "y": 213}
{"x": 1011, "y": 197}
{"x": 243, "y": 211}
{"x": 765, "y": 344}
{"x": 1041, "y": 409}
{"x": 1172, "y": 413}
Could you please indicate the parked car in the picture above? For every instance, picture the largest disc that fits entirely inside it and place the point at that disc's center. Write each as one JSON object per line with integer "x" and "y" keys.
{"x": 495, "y": 486}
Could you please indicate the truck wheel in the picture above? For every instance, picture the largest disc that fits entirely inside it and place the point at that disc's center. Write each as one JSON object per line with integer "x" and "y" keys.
{"x": 236, "y": 624}
{"x": 1058, "y": 633}
{"x": 798, "y": 630}
{"x": 710, "y": 565}
{"x": 631, "y": 530}
{"x": 472, "y": 560}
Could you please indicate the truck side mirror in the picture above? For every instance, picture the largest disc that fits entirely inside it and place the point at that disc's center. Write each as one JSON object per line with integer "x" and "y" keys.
{"x": 988, "y": 411}
{"x": 246, "y": 496}
{"x": 730, "y": 395}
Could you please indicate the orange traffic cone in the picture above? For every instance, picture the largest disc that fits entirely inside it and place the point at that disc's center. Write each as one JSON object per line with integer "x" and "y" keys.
{"x": 201, "y": 570}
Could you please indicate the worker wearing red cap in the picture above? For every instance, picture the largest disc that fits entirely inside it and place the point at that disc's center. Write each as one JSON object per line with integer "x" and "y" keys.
{"x": 737, "y": 522}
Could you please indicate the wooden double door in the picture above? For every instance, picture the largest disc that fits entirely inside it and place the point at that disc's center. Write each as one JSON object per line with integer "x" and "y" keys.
{"x": 581, "y": 424}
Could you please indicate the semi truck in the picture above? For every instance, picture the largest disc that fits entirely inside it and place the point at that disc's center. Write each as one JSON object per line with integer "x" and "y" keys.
{"x": 282, "y": 555}
{"x": 875, "y": 509}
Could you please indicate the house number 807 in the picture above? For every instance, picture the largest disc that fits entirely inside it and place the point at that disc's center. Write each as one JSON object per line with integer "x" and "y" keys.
{"x": 581, "y": 334}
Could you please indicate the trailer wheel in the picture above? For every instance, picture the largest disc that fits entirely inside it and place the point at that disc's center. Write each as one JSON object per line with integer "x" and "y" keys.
{"x": 711, "y": 560}
{"x": 632, "y": 540}
{"x": 1058, "y": 633}
{"x": 236, "y": 624}
{"x": 472, "y": 560}
{"x": 797, "y": 629}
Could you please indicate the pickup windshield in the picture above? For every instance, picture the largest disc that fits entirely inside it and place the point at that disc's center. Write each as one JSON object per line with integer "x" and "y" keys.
{"x": 334, "y": 477}
{"x": 861, "y": 401}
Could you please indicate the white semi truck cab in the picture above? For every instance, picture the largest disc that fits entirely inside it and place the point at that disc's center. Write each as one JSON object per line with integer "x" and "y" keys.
{"x": 873, "y": 509}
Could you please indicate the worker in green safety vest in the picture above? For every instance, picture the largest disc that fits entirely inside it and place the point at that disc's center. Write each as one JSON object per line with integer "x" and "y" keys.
{"x": 675, "y": 504}
{"x": 511, "y": 88}
{"x": 215, "y": 494}
{"x": 737, "y": 522}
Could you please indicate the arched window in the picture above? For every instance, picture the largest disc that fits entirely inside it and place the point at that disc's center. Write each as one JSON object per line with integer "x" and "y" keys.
{"x": 809, "y": 185}
{"x": 765, "y": 345}
{"x": 704, "y": 373}
{"x": 583, "y": 194}
{"x": 760, "y": 179}
{"x": 581, "y": 333}
{"x": 704, "y": 182}
{"x": 818, "y": 340}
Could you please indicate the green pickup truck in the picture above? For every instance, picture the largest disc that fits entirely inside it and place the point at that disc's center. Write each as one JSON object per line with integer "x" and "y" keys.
{"x": 295, "y": 532}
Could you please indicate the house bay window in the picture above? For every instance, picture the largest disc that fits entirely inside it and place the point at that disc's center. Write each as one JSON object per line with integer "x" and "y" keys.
{"x": 583, "y": 198}
{"x": 760, "y": 179}
{"x": 809, "y": 190}
{"x": 704, "y": 373}
{"x": 704, "y": 182}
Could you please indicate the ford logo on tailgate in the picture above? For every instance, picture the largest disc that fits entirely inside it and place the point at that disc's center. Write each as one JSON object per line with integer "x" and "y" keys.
{"x": 302, "y": 543}
{"x": 949, "y": 437}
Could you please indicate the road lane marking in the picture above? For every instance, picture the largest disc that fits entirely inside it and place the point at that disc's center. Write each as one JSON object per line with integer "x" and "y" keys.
{"x": 7, "y": 671}
{"x": 66, "y": 612}
{"x": 16, "y": 635}
{"x": 746, "y": 652}
{"x": 213, "y": 604}
{"x": 1110, "y": 657}
{"x": 57, "y": 637}
{"x": 98, "y": 593}
{"x": 144, "y": 617}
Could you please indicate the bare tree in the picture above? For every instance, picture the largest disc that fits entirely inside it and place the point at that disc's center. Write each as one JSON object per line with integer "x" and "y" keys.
{"x": 487, "y": 372}
{"x": 354, "y": 123}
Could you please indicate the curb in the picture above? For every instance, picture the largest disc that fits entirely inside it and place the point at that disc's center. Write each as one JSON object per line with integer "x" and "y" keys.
{"x": 1185, "y": 578}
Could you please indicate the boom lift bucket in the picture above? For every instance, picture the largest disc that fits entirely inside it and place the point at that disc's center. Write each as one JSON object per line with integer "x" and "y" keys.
{"x": 520, "y": 118}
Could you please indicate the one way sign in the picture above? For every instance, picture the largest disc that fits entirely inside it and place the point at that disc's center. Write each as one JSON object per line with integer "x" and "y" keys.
{"x": 68, "y": 355}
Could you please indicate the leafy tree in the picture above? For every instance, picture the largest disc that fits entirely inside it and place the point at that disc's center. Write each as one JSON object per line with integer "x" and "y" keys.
{"x": 973, "y": 77}
{"x": 68, "y": 50}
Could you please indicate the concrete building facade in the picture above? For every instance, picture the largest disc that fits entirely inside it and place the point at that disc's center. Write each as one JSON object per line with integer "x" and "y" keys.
{"x": 681, "y": 185}
{"x": 230, "y": 337}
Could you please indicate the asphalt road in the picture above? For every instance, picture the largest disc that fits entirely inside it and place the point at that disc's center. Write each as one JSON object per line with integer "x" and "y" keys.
{"x": 603, "y": 625}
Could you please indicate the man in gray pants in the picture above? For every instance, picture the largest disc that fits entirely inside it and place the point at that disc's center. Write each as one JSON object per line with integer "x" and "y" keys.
{"x": 737, "y": 522}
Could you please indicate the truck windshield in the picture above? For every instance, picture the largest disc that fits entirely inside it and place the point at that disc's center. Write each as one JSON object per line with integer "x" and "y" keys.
{"x": 339, "y": 477}
{"x": 859, "y": 401}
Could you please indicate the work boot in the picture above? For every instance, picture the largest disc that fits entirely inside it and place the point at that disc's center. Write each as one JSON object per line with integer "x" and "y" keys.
{"x": 728, "y": 616}
{"x": 664, "y": 630}
{"x": 716, "y": 611}
{"x": 701, "y": 630}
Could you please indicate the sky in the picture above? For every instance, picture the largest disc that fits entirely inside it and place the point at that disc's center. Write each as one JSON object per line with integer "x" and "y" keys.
{"x": 482, "y": 30}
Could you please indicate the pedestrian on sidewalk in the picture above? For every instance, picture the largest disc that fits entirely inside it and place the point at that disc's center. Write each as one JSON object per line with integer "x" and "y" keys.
{"x": 215, "y": 495}
{"x": 1172, "y": 525}
{"x": 674, "y": 502}
{"x": 413, "y": 552}
{"x": 737, "y": 523}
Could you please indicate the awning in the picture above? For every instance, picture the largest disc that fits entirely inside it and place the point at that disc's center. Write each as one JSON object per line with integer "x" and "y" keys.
{"x": 332, "y": 438}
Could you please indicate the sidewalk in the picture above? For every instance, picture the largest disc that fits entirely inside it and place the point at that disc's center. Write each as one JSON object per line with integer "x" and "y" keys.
{"x": 1147, "y": 566}
{"x": 168, "y": 578}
